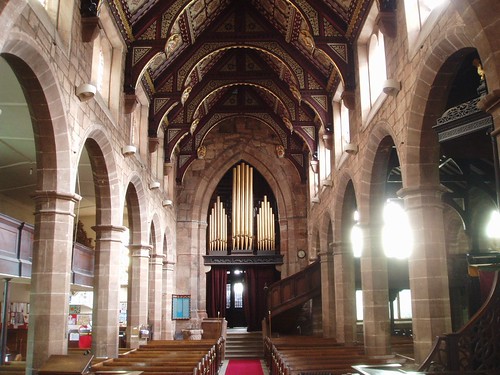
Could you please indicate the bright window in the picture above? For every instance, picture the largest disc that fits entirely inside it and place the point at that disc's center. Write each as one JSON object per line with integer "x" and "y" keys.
{"x": 372, "y": 66}
{"x": 421, "y": 16}
{"x": 325, "y": 162}
{"x": 402, "y": 305}
{"x": 397, "y": 237}
{"x": 341, "y": 125}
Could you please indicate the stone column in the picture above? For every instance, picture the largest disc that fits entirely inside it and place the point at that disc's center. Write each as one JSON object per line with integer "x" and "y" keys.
{"x": 190, "y": 274}
{"x": 328, "y": 292}
{"x": 105, "y": 325}
{"x": 345, "y": 292}
{"x": 137, "y": 306}
{"x": 51, "y": 276}
{"x": 167, "y": 329}
{"x": 155, "y": 294}
{"x": 374, "y": 283}
{"x": 427, "y": 267}
{"x": 491, "y": 103}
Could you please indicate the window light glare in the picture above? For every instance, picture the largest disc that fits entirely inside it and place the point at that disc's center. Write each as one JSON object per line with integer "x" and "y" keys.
{"x": 397, "y": 238}
{"x": 493, "y": 226}
{"x": 357, "y": 240}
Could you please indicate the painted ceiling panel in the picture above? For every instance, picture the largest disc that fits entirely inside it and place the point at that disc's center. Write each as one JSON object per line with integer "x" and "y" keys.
{"x": 277, "y": 56}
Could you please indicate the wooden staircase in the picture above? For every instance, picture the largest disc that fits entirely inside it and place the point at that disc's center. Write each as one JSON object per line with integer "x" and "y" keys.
{"x": 286, "y": 299}
{"x": 243, "y": 344}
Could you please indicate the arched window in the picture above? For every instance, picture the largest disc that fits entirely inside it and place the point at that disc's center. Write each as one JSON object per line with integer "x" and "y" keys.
{"x": 325, "y": 161}
{"x": 60, "y": 14}
{"x": 108, "y": 49}
{"x": 341, "y": 126}
{"x": 372, "y": 66}
{"x": 376, "y": 66}
{"x": 421, "y": 16}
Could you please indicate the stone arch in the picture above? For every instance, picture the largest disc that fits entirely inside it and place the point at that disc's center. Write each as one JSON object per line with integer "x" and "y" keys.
{"x": 216, "y": 170}
{"x": 326, "y": 231}
{"x": 343, "y": 182}
{"x": 156, "y": 235}
{"x": 482, "y": 29}
{"x": 374, "y": 170}
{"x": 428, "y": 103}
{"x": 48, "y": 114}
{"x": 104, "y": 171}
{"x": 136, "y": 211}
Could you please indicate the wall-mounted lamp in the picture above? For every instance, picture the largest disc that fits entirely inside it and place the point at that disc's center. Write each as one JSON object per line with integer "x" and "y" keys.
{"x": 129, "y": 150}
{"x": 85, "y": 91}
{"x": 167, "y": 203}
{"x": 391, "y": 87}
{"x": 351, "y": 148}
{"x": 154, "y": 185}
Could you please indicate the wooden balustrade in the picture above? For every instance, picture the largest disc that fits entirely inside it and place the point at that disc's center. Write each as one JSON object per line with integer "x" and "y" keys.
{"x": 16, "y": 249}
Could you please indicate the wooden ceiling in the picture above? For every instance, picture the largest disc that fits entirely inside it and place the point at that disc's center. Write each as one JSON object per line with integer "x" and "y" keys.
{"x": 203, "y": 61}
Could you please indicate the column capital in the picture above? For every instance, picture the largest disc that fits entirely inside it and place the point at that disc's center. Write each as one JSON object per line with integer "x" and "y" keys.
{"x": 168, "y": 265}
{"x": 490, "y": 102}
{"x": 140, "y": 250}
{"x": 52, "y": 201}
{"x": 156, "y": 259}
{"x": 422, "y": 196}
{"x": 109, "y": 232}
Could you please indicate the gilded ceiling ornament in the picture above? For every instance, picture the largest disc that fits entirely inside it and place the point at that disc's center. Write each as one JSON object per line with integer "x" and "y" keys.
{"x": 306, "y": 39}
{"x": 185, "y": 94}
{"x": 295, "y": 92}
{"x": 172, "y": 43}
{"x": 201, "y": 152}
{"x": 280, "y": 151}
{"x": 193, "y": 126}
{"x": 288, "y": 124}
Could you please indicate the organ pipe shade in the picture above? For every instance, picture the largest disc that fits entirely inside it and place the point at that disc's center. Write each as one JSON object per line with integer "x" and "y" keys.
{"x": 266, "y": 239}
{"x": 242, "y": 209}
{"x": 218, "y": 227}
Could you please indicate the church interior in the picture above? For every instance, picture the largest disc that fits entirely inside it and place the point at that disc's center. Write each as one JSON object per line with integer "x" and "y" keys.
{"x": 294, "y": 168}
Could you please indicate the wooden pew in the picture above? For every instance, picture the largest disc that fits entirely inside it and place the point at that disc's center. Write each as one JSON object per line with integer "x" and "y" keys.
{"x": 169, "y": 357}
{"x": 297, "y": 355}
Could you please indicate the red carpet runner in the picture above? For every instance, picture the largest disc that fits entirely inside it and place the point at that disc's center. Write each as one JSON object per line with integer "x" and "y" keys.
{"x": 244, "y": 367}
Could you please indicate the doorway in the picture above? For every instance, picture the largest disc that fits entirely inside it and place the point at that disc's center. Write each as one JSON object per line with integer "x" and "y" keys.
{"x": 235, "y": 288}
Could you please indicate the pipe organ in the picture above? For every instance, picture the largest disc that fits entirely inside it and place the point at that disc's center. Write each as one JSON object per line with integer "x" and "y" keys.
{"x": 265, "y": 227}
{"x": 242, "y": 214}
{"x": 245, "y": 218}
{"x": 218, "y": 227}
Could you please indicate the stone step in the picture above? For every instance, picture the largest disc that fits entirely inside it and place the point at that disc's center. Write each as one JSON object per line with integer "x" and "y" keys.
{"x": 240, "y": 344}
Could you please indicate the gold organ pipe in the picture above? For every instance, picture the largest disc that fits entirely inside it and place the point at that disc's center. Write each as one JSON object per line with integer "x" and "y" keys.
{"x": 250, "y": 209}
{"x": 219, "y": 224}
{"x": 233, "y": 223}
{"x": 258, "y": 230}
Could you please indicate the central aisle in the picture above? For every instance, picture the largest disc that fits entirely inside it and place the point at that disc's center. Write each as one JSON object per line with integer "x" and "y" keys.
{"x": 244, "y": 367}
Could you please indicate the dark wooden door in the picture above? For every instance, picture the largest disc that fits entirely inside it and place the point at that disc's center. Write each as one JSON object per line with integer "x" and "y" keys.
{"x": 235, "y": 313}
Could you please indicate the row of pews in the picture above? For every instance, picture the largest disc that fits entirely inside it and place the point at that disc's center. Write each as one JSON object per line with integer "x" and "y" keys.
{"x": 168, "y": 357}
{"x": 301, "y": 355}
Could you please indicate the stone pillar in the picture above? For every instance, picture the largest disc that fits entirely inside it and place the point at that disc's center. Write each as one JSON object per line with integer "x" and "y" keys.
{"x": 167, "y": 329}
{"x": 155, "y": 294}
{"x": 491, "y": 103}
{"x": 427, "y": 267}
{"x": 190, "y": 273}
{"x": 105, "y": 325}
{"x": 374, "y": 282}
{"x": 51, "y": 276}
{"x": 345, "y": 292}
{"x": 137, "y": 306}
{"x": 328, "y": 292}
